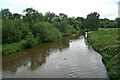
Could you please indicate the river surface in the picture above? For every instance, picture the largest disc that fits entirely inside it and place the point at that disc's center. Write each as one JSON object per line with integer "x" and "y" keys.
{"x": 65, "y": 58}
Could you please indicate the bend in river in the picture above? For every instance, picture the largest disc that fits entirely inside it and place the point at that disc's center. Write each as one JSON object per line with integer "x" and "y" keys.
{"x": 65, "y": 58}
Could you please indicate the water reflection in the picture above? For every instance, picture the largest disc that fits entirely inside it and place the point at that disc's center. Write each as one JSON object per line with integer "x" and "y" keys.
{"x": 67, "y": 57}
{"x": 86, "y": 42}
{"x": 33, "y": 57}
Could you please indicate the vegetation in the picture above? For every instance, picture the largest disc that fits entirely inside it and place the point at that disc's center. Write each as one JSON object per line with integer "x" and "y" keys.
{"x": 34, "y": 27}
{"x": 106, "y": 41}
{"x": 92, "y": 22}
{"x": 25, "y": 31}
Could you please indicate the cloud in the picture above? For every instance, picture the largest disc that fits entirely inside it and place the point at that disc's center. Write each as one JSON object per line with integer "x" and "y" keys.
{"x": 69, "y": 7}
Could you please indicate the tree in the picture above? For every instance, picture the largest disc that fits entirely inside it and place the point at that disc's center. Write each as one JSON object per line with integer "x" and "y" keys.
{"x": 6, "y": 13}
{"x": 10, "y": 31}
{"x": 62, "y": 15}
{"x": 118, "y": 22}
{"x": 46, "y": 31}
{"x": 16, "y": 15}
{"x": 64, "y": 27}
{"x": 29, "y": 10}
{"x": 111, "y": 24}
{"x": 92, "y": 22}
{"x": 49, "y": 17}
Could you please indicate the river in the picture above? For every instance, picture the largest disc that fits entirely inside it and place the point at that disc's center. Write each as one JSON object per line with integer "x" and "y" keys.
{"x": 64, "y": 58}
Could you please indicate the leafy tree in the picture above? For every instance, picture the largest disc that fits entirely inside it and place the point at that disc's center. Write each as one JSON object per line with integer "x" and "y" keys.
{"x": 16, "y": 15}
{"x": 29, "y": 10}
{"x": 6, "y": 13}
{"x": 92, "y": 22}
{"x": 10, "y": 32}
{"x": 32, "y": 17}
{"x": 62, "y": 15}
{"x": 106, "y": 23}
{"x": 64, "y": 27}
{"x": 77, "y": 25}
{"x": 46, "y": 31}
{"x": 118, "y": 22}
{"x": 49, "y": 17}
{"x": 23, "y": 27}
{"x": 71, "y": 20}
{"x": 111, "y": 24}
{"x": 81, "y": 21}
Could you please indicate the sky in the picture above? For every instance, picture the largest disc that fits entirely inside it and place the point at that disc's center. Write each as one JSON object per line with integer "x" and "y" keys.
{"x": 73, "y": 8}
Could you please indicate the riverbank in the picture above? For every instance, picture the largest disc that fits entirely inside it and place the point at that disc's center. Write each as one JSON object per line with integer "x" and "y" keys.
{"x": 106, "y": 42}
{"x": 24, "y": 44}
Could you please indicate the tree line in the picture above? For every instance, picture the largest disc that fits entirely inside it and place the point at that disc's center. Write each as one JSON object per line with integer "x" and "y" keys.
{"x": 48, "y": 27}
{"x": 34, "y": 27}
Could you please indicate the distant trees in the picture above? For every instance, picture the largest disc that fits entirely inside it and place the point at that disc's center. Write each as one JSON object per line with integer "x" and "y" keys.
{"x": 35, "y": 26}
{"x": 92, "y": 22}
{"x": 118, "y": 22}
{"x": 106, "y": 23}
{"x": 49, "y": 17}
{"x": 17, "y": 16}
{"x": 6, "y": 13}
{"x": 48, "y": 27}
{"x": 27, "y": 30}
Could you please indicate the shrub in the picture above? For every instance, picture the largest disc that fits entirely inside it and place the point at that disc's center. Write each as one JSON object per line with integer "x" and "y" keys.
{"x": 30, "y": 40}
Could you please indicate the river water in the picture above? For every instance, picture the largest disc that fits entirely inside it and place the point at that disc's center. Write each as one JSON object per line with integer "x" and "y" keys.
{"x": 65, "y": 58}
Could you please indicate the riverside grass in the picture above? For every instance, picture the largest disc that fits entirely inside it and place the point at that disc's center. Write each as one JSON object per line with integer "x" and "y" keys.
{"x": 107, "y": 42}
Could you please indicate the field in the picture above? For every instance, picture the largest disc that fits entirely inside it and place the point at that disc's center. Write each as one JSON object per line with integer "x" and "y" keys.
{"x": 106, "y": 42}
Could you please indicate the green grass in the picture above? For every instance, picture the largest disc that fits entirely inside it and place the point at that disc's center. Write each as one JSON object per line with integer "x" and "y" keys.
{"x": 106, "y": 42}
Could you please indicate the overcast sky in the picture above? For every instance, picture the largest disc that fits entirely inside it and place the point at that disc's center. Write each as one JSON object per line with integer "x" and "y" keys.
{"x": 106, "y": 8}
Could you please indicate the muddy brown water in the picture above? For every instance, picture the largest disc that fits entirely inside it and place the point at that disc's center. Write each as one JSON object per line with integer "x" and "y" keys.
{"x": 65, "y": 58}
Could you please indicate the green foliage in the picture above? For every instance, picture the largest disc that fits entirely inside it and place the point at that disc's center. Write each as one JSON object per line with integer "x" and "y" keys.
{"x": 49, "y": 17}
{"x": 13, "y": 47}
{"x": 106, "y": 42}
{"x": 118, "y": 22}
{"x": 10, "y": 32}
{"x": 24, "y": 31}
{"x": 17, "y": 16}
{"x": 46, "y": 31}
{"x": 106, "y": 23}
{"x": 111, "y": 24}
{"x": 65, "y": 28}
{"x": 6, "y": 13}
{"x": 30, "y": 40}
{"x": 62, "y": 15}
{"x": 92, "y": 22}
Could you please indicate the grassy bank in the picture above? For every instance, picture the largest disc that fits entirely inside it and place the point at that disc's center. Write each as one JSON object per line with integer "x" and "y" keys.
{"x": 106, "y": 42}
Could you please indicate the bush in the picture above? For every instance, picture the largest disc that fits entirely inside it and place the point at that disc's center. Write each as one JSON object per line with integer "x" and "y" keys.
{"x": 13, "y": 47}
{"x": 46, "y": 31}
{"x": 30, "y": 40}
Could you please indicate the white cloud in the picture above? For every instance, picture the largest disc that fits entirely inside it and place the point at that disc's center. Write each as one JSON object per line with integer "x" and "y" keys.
{"x": 106, "y": 8}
